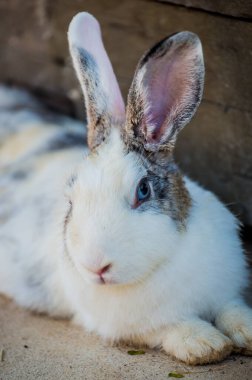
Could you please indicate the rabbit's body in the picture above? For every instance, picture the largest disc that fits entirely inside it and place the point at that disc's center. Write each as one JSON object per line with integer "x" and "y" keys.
{"x": 129, "y": 248}
{"x": 35, "y": 158}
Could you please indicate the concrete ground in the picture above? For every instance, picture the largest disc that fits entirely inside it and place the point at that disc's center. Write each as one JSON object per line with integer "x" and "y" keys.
{"x": 37, "y": 347}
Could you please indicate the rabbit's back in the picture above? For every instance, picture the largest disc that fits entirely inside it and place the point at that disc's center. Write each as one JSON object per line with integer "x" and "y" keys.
{"x": 37, "y": 153}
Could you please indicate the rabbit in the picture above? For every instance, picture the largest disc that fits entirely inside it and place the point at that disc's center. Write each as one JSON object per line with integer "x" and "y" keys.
{"x": 113, "y": 235}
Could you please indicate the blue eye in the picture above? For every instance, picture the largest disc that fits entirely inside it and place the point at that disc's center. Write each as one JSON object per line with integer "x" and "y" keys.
{"x": 143, "y": 190}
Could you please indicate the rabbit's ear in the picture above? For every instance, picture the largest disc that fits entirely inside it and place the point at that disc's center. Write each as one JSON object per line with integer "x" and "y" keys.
{"x": 165, "y": 93}
{"x": 103, "y": 99}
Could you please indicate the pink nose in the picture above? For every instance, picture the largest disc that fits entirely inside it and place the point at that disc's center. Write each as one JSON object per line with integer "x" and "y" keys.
{"x": 103, "y": 270}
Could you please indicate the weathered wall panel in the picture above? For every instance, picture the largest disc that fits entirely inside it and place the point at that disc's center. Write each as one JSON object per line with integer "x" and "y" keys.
{"x": 234, "y": 8}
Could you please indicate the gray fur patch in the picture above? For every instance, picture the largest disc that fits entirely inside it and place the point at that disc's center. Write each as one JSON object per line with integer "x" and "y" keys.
{"x": 71, "y": 181}
{"x": 65, "y": 225}
{"x": 65, "y": 140}
{"x": 33, "y": 280}
{"x": 170, "y": 194}
{"x": 67, "y": 219}
{"x": 19, "y": 174}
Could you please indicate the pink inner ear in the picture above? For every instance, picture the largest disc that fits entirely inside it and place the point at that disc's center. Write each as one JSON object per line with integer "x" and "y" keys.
{"x": 84, "y": 32}
{"x": 158, "y": 97}
{"x": 168, "y": 87}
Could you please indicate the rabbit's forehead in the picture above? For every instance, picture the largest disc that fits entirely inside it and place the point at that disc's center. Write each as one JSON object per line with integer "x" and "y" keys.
{"x": 111, "y": 166}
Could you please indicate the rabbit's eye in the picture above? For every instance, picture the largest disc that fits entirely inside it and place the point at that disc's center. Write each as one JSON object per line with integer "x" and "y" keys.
{"x": 143, "y": 191}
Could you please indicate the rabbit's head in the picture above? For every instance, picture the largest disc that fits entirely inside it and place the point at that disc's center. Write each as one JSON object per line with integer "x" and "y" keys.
{"x": 128, "y": 204}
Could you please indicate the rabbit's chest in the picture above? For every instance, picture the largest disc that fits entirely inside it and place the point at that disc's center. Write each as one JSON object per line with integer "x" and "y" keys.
{"x": 125, "y": 316}
{"x": 115, "y": 322}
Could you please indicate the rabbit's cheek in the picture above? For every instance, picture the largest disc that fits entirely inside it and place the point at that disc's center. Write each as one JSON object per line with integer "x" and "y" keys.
{"x": 72, "y": 232}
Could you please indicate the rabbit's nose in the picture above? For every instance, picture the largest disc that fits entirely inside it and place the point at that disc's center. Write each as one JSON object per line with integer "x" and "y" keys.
{"x": 103, "y": 270}
{"x": 99, "y": 271}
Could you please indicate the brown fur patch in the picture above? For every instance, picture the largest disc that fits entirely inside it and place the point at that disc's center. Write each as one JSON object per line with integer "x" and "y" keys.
{"x": 171, "y": 196}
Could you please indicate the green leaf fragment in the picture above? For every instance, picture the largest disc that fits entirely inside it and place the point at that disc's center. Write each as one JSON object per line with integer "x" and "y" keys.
{"x": 136, "y": 352}
{"x": 176, "y": 375}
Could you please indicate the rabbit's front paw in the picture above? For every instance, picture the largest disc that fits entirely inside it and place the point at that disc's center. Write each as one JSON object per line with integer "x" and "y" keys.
{"x": 197, "y": 342}
{"x": 235, "y": 320}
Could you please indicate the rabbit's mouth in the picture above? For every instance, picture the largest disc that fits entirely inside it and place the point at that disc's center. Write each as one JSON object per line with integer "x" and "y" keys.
{"x": 110, "y": 279}
{"x": 102, "y": 279}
